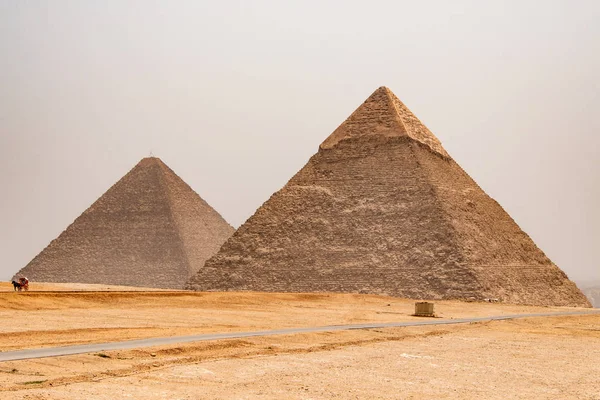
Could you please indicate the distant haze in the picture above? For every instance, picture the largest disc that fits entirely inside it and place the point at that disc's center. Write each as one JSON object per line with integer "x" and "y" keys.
{"x": 236, "y": 96}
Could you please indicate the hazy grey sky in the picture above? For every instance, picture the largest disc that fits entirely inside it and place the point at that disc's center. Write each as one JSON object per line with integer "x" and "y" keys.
{"x": 235, "y": 96}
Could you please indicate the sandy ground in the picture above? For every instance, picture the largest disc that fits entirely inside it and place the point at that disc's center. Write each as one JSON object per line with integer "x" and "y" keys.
{"x": 536, "y": 358}
{"x": 77, "y": 287}
{"x": 65, "y": 318}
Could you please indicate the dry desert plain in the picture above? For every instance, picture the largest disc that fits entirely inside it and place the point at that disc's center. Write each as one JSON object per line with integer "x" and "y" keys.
{"x": 531, "y": 358}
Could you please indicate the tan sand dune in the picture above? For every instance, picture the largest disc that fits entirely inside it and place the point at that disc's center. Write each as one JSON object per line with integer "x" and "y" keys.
{"x": 537, "y": 358}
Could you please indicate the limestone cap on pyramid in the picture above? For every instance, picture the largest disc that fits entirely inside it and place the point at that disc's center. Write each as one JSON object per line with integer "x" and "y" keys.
{"x": 382, "y": 113}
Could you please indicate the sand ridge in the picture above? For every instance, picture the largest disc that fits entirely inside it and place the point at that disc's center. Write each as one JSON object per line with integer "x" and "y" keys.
{"x": 462, "y": 361}
{"x": 65, "y": 318}
{"x": 495, "y": 360}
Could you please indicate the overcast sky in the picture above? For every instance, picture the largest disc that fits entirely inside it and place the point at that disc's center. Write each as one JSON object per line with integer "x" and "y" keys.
{"x": 235, "y": 96}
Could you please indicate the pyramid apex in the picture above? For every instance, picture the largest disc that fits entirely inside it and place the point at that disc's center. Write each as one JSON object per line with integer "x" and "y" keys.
{"x": 383, "y": 114}
{"x": 381, "y": 91}
{"x": 151, "y": 160}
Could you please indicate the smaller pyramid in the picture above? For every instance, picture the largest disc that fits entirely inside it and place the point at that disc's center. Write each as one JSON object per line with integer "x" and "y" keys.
{"x": 150, "y": 229}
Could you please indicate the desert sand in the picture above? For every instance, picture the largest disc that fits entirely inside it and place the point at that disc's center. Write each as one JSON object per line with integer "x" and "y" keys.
{"x": 547, "y": 358}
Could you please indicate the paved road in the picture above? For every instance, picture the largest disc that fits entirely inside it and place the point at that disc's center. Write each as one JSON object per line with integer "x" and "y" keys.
{"x": 130, "y": 344}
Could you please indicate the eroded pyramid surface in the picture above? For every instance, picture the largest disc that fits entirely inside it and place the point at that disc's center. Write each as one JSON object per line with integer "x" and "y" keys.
{"x": 382, "y": 208}
{"x": 150, "y": 229}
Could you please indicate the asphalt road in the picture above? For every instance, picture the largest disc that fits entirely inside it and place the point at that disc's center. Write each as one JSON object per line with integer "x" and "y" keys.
{"x": 131, "y": 344}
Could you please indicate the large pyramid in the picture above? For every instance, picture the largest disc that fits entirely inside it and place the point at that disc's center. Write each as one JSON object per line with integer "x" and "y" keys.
{"x": 382, "y": 208}
{"x": 149, "y": 229}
